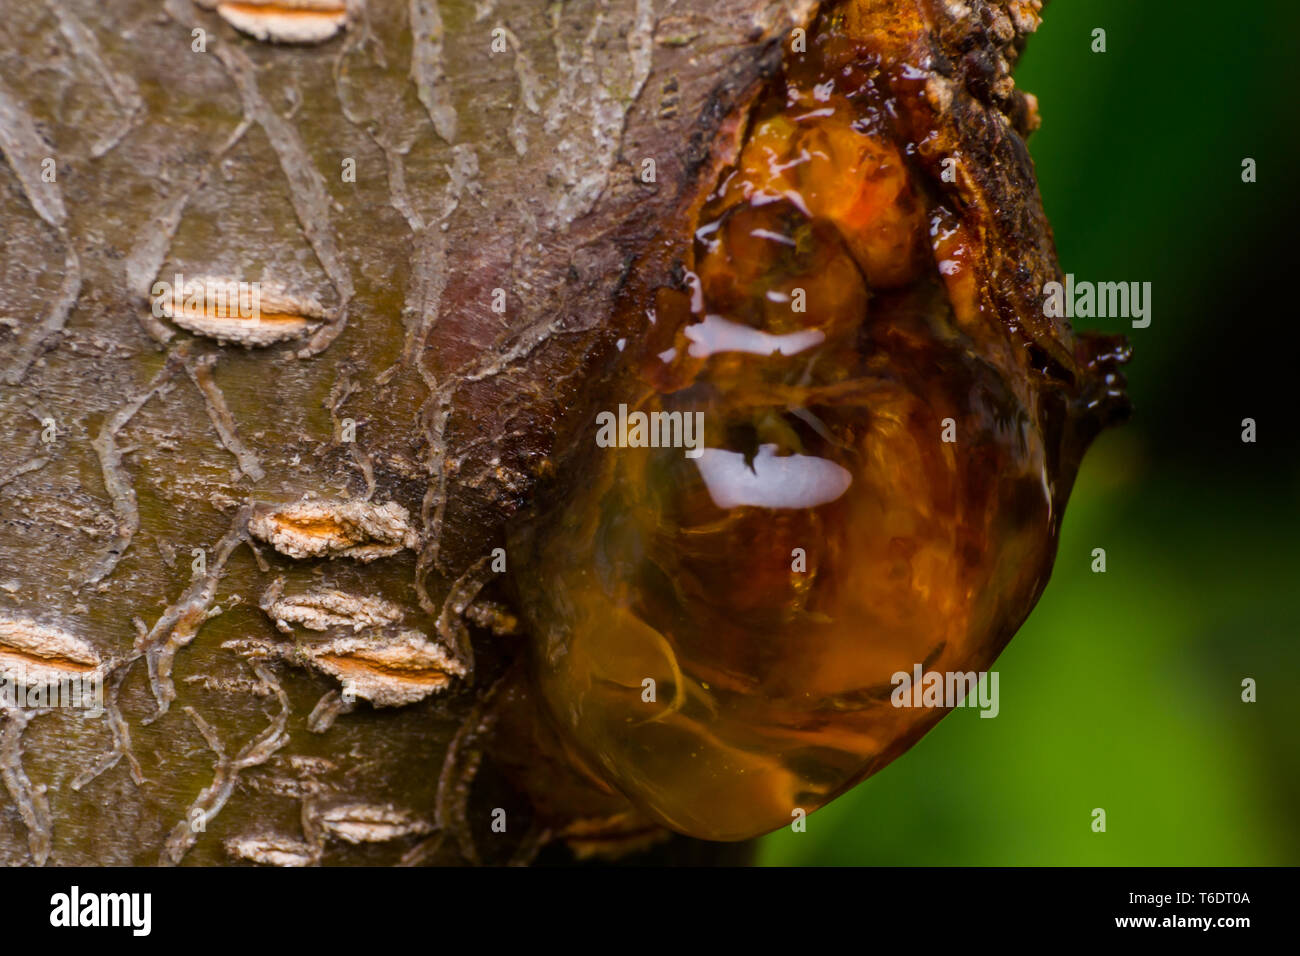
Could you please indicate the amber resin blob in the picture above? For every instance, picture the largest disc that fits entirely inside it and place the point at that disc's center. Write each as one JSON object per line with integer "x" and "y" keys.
{"x": 876, "y": 485}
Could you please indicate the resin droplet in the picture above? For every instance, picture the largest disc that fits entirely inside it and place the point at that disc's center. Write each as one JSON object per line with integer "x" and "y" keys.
{"x": 878, "y": 487}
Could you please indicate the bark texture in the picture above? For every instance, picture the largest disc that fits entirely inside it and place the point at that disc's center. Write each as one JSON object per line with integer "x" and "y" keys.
{"x": 415, "y": 419}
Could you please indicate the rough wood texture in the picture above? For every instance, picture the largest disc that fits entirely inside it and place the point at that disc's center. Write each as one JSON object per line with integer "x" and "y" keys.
{"x": 474, "y": 171}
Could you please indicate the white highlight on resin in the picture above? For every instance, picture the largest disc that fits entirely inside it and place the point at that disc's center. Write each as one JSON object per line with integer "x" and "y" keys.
{"x": 716, "y": 334}
{"x": 773, "y": 481}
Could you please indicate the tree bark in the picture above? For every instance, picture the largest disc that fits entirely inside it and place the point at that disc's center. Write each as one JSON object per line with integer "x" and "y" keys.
{"x": 466, "y": 279}
{"x": 475, "y": 170}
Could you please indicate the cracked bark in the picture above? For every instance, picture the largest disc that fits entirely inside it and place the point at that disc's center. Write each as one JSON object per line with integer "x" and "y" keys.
{"x": 125, "y": 485}
{"x": 474, "y": 171}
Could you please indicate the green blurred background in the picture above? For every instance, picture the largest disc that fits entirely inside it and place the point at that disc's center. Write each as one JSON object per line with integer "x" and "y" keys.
{"x": 1123, "y": 690}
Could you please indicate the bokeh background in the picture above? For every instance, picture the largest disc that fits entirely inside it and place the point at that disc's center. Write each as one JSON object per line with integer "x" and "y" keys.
{"x": 1123, "y": 690}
